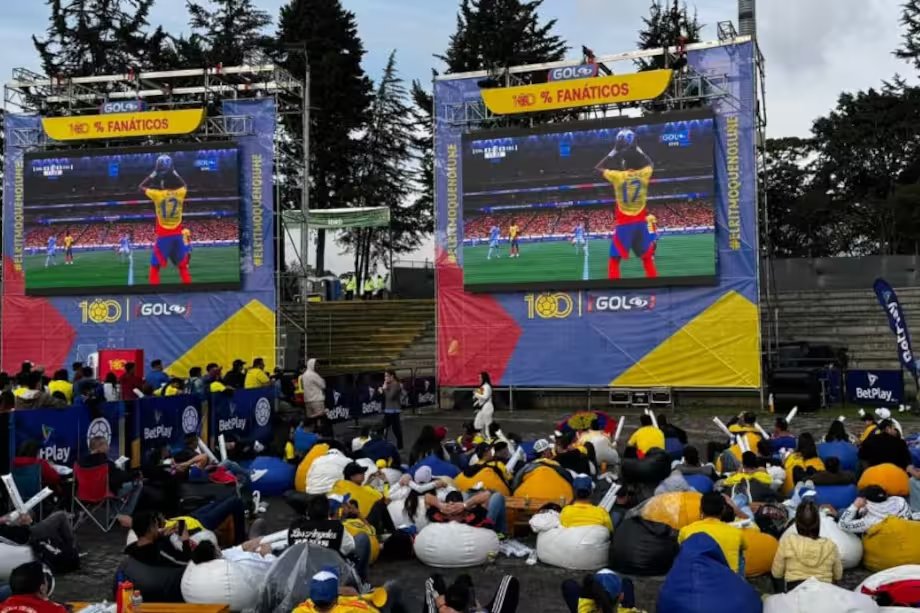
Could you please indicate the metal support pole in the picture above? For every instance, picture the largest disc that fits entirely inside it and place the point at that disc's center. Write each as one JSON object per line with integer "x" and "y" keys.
{"x": 305, "y": 195}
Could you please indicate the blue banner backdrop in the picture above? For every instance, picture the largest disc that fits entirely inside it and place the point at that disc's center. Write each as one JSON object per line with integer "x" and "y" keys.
{"x": 875, "y": 387}
{"x": 63, "y": 434}
{"x": 898, "y": 324}
{"x": 165, "y": 421}
{"x": 245, "y": 413}
{"x": 350, "y": 397}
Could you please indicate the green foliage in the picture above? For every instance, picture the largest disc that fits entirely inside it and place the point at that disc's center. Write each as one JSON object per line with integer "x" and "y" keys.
{"x": 226, "y": 31}
{"x": 663, "y": 28}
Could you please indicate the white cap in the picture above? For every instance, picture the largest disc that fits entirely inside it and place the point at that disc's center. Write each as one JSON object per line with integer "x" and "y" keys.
{"x": 541, "y": 445}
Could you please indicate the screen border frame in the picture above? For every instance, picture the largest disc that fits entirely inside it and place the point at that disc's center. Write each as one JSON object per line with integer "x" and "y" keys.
{"x": 599, "y": 284}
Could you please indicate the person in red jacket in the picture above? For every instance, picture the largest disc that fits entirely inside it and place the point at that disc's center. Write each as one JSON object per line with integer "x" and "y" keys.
{"x": 30, "y": 591}
{"x": 27, "y": 455}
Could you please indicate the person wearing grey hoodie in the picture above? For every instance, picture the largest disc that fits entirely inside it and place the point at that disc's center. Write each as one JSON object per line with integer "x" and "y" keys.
{"x": 34, "y": 396}
{"x": 314, "y": 391}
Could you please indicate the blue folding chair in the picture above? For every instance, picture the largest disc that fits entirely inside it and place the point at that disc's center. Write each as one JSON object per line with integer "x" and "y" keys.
{"x": 28, "y": 480}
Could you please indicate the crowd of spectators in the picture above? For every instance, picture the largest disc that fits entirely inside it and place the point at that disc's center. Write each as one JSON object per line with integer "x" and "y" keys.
{"x": 141, "y": 233}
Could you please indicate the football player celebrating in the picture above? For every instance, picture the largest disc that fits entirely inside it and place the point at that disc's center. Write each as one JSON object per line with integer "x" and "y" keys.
{"x": 630, "y": 176}
{"x": 68, "y": 248}
{"x": 167, "y": 190}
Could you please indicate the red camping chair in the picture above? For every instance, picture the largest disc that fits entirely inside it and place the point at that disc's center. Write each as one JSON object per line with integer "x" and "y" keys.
{"x": 92, "y": 494}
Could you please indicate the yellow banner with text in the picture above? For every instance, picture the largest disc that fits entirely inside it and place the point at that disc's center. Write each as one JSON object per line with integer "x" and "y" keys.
{"x": 555, "y": 95}
{"x": 123, "y": 125}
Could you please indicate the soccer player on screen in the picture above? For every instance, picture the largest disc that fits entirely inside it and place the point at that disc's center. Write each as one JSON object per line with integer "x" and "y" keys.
{"x": 494, "y": 237}
{"x": 51, "y": 252}
{"x": 513, "y": 232}
{"x": 167, "y": 190}
{"x": 579, "y": 239}
{"x": 630, "y": 176}
{"x": 124, "y": 247}
{"x": 68, "y": 248}
{"x": 187, "y": 239}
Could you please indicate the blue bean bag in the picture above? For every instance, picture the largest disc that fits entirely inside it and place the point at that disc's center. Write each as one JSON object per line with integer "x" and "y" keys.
{"x": 527, "y": 446}
{"x": 847, "y": 453}
{"x": 701, "y": 582}
{"x": 838, "y": 496}
{"x": 674, "y": 448}
{"x": 278, "y": 479}
{"x": 439, "y": 467}
{"x": 700, "y": 483}
{"x": 783, "y": 442}
{"x": 303, "y": 440}
{"x": 915, "y": 456}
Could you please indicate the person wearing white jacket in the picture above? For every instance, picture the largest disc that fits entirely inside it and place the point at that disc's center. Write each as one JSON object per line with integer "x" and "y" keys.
{"x": 314, "y": 391}
{"x": 483, "y": 400}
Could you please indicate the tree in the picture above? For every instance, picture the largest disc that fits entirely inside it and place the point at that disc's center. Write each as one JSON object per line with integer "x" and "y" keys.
{"x": 497, "y": 34}
{"x": 910, "y": 46}
{"x": 340, "y": 94}
{"x": 227, "y": 31}
{"x": 663, "y": 28}
{"x": 87, "y": 37}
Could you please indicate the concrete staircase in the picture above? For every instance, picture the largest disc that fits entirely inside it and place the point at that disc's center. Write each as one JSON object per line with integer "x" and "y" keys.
{"x": 361, "y": 336}
{"x": 852, "y": 318}
{"x": 420, "y": 356}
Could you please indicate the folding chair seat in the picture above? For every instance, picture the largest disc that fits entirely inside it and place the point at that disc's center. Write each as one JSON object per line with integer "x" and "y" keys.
{"x": 92, "y": 495}
{"x": 28, "y": 480}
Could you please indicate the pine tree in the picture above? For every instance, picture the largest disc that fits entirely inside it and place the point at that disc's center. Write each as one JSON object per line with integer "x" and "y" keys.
{"x": 227, "y": 31}
{"x": 910, "y": 20}
{"x": 663, "y": 28}
{"x": 87, "y": 37}
{"x": 340, "y": 94}
{"x": 496, "y": 34}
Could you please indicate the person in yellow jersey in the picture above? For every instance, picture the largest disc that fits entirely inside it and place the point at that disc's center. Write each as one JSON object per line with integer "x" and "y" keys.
{"x": 68, "y": 248}
{"x": 328, "y": 596}
{"x": 513, "y": 231}
{"x": 167, "y": 190}
{"x": 713, "y": 506}
{"x": 61, "y": 384}
{"x": 602, "y": 591}
{"x": 870, "y": 425}
{"x": 646, "y": 437}
{"x": 581, "y": 512}
{"x": 173, "y": 388}
{"x": 752, "y": 478}
{"x": 629, "y": 170}
{"x": 187, "y": 239}
{"x": 256, "y": 376}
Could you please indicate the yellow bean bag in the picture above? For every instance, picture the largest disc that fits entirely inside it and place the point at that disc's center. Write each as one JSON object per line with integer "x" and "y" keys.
{"x": 366, "y": 497}
{"x": 676, "y": 509}
{"x": 490, "y": 477}
{"x": 359, "y": 526}
{"x": 893, "y": 479}
{"x": 893, "y": 542}
{"x": 759, "y": 552}
{"x": 795, "y": 459}
{"x": 300, "y": 477}
{"x": 544, "y": 482}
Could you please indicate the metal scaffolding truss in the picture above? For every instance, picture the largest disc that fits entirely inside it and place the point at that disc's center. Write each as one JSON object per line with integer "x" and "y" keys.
{"x": 206, "y": 87}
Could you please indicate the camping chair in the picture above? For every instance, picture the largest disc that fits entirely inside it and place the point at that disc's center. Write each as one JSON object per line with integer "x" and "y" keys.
{"x": 28, "y": 480}
{"x": 92, "y": 494}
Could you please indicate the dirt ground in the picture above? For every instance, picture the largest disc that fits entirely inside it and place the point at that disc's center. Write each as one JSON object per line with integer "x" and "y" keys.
{"x": 540, "y": 589}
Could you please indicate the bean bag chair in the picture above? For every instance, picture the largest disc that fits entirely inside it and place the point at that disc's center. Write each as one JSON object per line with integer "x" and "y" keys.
{"x": 651, "y": 470}
{"x": 899, "y": 586}
{"x": 439, "y": 467}
{"x": 676, "y": 509}
{"x": 325, "y": 472}
{"x": 490, "y": 477}
{"x": 400, "y": 517}
{"x": 847, "y": 453}
{"x": 222, "y": 582}
{"x": 674, "y": 448}
{"x": 815, "y": 596}
{"x": 891, "y": 478}
{"x": 893, "y": 542}
{"x": 838, "y": 496}
{"x": 11, "y": 556}
{"x": 849, "y": 545}
{"x": 278, "y": 479}
{"x": 579, "y": 548}
{"x": 783, "y": 442}
{"x": 300, "y": 477}
{"x": 365, "y": 497}
{"x": 544, "y": 480}
{"x": 701, "y": 582}
{"x": 304, "y": 440}
{"x": 643, "y": 548}
{"x": 915, "y": 455}
{"x": 759, "y": 553}
{"x": 792, "y": 462}
{"x": 156, "y": 583}
{"x": 454, "y": 545}
{"x": 700, "y": 483}
{"x": 359, "y": 526}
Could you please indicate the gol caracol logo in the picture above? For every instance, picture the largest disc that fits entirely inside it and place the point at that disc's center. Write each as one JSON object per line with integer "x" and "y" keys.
{"x": 189, "y": 420}
{"x": 162, "y": 309}
{"x": 618, "y": 303}
{"x": 262, "y": 412}
{"x": 99, "y": 428}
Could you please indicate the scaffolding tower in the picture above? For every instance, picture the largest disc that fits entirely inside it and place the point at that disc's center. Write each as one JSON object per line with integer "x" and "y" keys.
{"x": 205, "y": 87}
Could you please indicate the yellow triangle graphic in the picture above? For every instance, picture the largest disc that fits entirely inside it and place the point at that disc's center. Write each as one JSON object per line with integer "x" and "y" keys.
{"x": 720, "y": 347}
{"x": 249, "y": 333}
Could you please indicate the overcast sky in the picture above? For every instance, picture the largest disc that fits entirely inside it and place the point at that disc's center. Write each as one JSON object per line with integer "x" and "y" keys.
{"x": 814, "y": 49}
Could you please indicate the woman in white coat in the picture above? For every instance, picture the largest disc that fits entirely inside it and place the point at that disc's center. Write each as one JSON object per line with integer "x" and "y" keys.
{"x": 483, "y": 400}
{"x": 314, "y": 391}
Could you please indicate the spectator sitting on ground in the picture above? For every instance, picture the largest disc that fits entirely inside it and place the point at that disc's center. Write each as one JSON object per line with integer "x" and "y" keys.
{"x": 425, "y": 445}
{"x": 804, "y": 461}
{"x": 28, "y": 455}
{"x": 31, "y": 395}
{"x": 647, "y": 437}
{"x": 30, "y": 591}
{"x": 327, "y": 596}
{"x": 805, "y": 553}
{"x": 837, "y": 432}
{"x": 59, "y": 383}
{"x": 52, "y": 536}
{"x": 574, "y": 458}
{"x": 461, "y": 596}
{"x": 156, "y": 378}
{"x": 832, "y": 475}
{"x": 601, "y": 592}
{"x": 447, "y": 505}
{"x": 872, "y": 507}
{"x": 691, "y": 464}
{"x": 885, "y": 447}
{"x": 156, "y": 545}
{"x": 379, "y": 448}
{"x": 455, "y": 509}
{"x": 373, "y": 504}
{"x": 781, "y": 428}
{"x": 671, "y": 431}
{"x": 256, "y": 376}
{"x": 713, "y": 506}
{"x": 753, "y": 476}
{"x": 870, "y": 426}
{"x": 581, "y": 512}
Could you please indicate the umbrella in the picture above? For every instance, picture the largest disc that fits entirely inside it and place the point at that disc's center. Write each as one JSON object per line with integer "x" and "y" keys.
{"x": 581, "y": 420}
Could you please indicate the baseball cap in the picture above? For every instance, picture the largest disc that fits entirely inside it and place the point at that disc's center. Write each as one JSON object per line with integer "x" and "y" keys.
{"x": 541, "y": 445}
{"x": 422, "y": 475}
{"x": 440, "y": 433}
{"x": 610, "y": 581}
{"x": 324, "y": 587}
{"x": 583, "y": 482}
{"x": 381, "y": 464}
